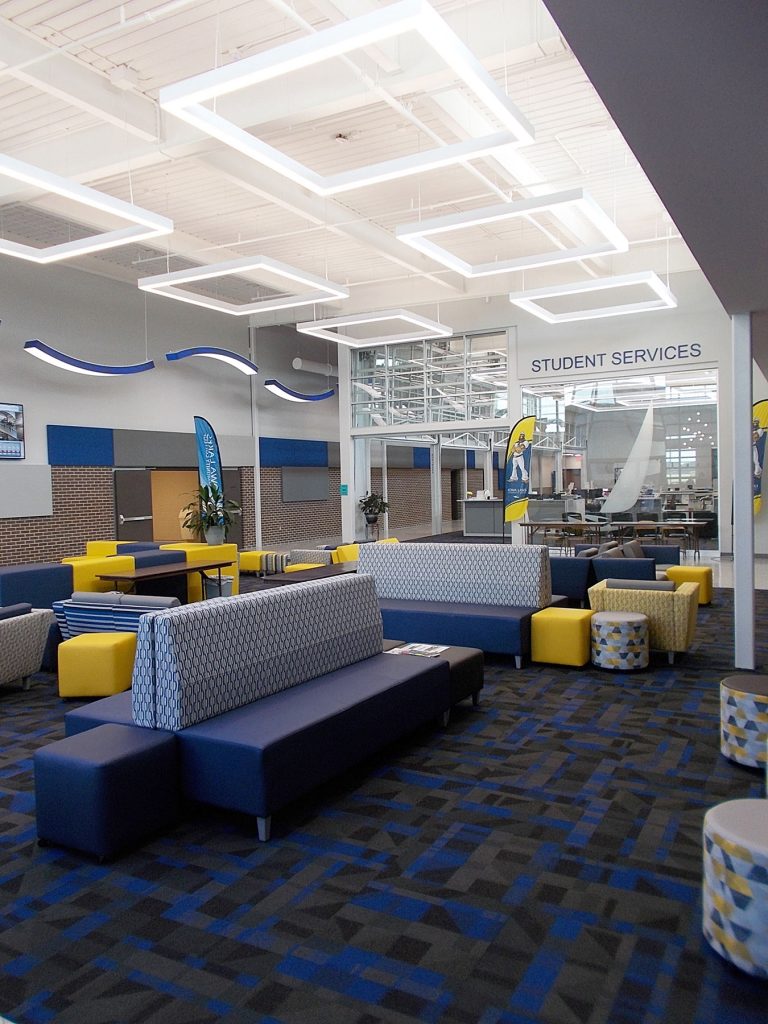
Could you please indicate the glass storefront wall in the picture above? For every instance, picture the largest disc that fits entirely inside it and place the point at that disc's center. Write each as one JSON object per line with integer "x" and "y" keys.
{"x": 449, "y": 380}
{"x": 586, "y": 430}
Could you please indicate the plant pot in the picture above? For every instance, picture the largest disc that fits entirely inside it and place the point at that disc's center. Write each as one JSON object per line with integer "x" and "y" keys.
{"x": 214, "y": 535}
{"x": 371, "y": 518}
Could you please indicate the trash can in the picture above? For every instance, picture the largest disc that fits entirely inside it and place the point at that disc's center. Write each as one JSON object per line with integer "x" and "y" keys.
{"x": 212, "y": 586}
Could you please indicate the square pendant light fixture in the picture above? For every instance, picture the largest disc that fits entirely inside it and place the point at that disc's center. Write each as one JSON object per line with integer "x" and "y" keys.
{"x": 143, "y": 224}
{"x": 327, "y": 329}
{"x": 186, "y": 99}
{"x": 530, "y": 300}
{"x": 574, "y": 200}
{"x": 168, "y": 285}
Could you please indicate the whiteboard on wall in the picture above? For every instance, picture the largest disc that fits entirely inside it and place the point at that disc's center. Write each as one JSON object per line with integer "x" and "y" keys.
{"x": 25, "y": 491}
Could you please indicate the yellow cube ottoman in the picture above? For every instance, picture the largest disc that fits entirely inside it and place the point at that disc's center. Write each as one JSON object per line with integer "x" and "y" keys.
{"x": 298, "y": 566}
{"x": 252, "y": 561}
{"x": 701, "y": 574}
{"x": 561, "y": 636}
{"x": 96, "y": 664}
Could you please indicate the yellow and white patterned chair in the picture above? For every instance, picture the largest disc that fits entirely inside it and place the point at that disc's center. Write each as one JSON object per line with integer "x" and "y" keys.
{"x": 671, "y": 613}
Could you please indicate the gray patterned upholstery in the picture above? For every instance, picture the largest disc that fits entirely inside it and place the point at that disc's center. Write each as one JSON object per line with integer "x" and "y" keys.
{"x": 22, "y": 644}
{"x": 315, "y": 556}
{"x": 487, "y": 574}
{"x": 199, "y": 660}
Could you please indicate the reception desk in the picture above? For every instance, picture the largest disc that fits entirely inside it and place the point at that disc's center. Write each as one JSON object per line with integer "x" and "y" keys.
{"x": 483, "y": 517}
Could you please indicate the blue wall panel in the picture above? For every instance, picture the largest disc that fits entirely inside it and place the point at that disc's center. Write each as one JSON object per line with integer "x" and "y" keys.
{"x": 470, "y": 460}
{"x": 421, "y": 458}
{"x": 283, "y": 451}
{"x": 80, "y": 446}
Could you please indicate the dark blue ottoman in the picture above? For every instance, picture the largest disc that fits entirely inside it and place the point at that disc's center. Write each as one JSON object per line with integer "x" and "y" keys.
{"x": 107, "y": 789}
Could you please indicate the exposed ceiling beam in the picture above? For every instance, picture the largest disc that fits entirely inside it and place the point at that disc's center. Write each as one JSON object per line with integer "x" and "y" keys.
{"x": 57, "y": 74}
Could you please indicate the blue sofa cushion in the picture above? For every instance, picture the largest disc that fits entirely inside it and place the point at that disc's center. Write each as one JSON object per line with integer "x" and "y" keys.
{"x": 128, "y": 548}
{"x": 490, "y": 627}
{"x": 571, "y": 577}
{"x": 145, "y": 559}
{"x": 624, "y": 568}
{"x": 38, "y": 584}
{"x": 259, "y": 757}
{"x": 114, "y": 710}
{"x": 10, "y": 611}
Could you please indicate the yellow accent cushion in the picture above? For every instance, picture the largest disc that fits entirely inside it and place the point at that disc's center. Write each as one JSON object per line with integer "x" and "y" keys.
{"x": 345, "y": 553}
{"x": 100, "y": 548}
{"x": 85, "y": 570}
{"x": 251, "y": 561}
{"x": 197, "y": 553}
{"x": 561, "y": 636}
{"x": 96, "y": 664}
{"x": 701, "y": 574}
{"x": 304, "y": 565}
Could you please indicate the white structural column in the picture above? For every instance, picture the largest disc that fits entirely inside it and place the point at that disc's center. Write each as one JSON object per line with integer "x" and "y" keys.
{"x": 743, "y": 522}
{"x": 256, "y": 453}
{"x": 346, "y": 446}
{"x": 362, "y": 469}
{"x": 488, "y": 470}
{"x": 436, "y": 489}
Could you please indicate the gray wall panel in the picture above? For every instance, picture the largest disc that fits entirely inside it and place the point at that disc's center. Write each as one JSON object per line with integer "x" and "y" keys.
{"x": 171, "y": 450}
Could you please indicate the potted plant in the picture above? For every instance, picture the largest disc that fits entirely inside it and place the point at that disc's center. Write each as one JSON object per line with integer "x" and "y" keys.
{"x": 372, "y": 506}
{"x": 209, "y": 514}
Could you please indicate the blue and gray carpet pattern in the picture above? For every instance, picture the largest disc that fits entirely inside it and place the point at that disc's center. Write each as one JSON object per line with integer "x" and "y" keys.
{"x": 537, "y": 861}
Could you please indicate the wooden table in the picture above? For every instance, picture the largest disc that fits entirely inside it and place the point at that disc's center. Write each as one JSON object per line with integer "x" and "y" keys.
{"x": 167, "y": 571}
{"x": 582, "y": 528}
{"x": 322, "y": 572}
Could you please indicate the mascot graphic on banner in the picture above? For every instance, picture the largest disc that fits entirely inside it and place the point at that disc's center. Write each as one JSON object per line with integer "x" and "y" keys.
{"x": 759, "y": 425}
{"x": 517, "y": 469}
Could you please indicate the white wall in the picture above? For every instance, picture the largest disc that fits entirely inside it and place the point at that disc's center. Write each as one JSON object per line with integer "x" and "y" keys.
{"x": 102, "y": 320}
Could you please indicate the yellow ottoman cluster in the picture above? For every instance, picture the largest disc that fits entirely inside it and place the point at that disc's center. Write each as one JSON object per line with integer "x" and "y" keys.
{"x": 96, "y": 664}
{"x": 253, "y": 561}
{"x": 561, "y": 636}
{"x": 701, "y": 574}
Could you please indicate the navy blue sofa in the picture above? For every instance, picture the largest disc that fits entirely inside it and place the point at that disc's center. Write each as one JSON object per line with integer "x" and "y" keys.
{"x": 572, "y": 576}
{"x": 272, "y": 693}
{"x": 472, "y": 595}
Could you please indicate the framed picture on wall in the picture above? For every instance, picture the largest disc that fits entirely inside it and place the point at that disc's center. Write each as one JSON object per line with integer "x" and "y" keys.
{"x": 11, "y": 431}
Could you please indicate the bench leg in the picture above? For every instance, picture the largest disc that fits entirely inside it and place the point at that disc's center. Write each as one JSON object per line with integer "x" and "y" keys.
{"x": 475, "y": 698}
{"x": 671, "y": 657}
{"x": 445, "y": 718}
{"x": 518, "y": 661}
{"x": 264, "y": 826}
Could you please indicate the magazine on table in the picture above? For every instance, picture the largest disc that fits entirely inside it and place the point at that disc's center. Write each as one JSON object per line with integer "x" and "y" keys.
{"x": 423, "y": 650}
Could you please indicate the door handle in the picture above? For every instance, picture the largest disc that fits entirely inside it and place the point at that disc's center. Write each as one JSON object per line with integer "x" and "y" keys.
{"x": 132, "y": 519}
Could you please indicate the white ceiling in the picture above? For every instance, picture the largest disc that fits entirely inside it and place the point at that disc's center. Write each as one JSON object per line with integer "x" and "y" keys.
{"x": 64, "y": 107}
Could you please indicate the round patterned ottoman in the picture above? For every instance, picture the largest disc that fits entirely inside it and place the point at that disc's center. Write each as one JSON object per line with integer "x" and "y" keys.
{"x": 735, "y": 897}
{"x": 744, "y": 719}
{"x": 620, "y": 640}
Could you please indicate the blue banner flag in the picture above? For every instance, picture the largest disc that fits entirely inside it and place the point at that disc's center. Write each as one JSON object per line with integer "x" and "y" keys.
{"x": 759, "y": 426}
{"x": 208, "y": 458}
{"x": 517, "y": 469}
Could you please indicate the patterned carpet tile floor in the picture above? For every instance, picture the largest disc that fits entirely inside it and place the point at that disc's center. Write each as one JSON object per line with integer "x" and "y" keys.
{"x": 539, "y": 860}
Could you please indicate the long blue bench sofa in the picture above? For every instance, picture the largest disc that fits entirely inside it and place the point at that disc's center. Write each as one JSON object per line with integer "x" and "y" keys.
{"x": 272, "y": 693}
{"x": 474, "y": 595}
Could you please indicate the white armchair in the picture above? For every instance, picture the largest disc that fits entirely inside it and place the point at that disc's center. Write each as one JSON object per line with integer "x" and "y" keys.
{"x": 22, "y": 644}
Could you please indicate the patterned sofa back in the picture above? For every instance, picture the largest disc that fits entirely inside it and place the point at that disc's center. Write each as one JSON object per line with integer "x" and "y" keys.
{"x": 490, "y": 574}
{"x": 198, "y": 661}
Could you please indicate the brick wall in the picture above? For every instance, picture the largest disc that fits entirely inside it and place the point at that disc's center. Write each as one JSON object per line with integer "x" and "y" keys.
{"x": 248, "y": 506}
{"x": 83, "y": 509}
{"x": 291, "y": 523}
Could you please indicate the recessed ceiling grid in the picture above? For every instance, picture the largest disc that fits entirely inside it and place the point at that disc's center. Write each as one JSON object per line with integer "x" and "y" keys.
{"x": 219, "y": 216}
